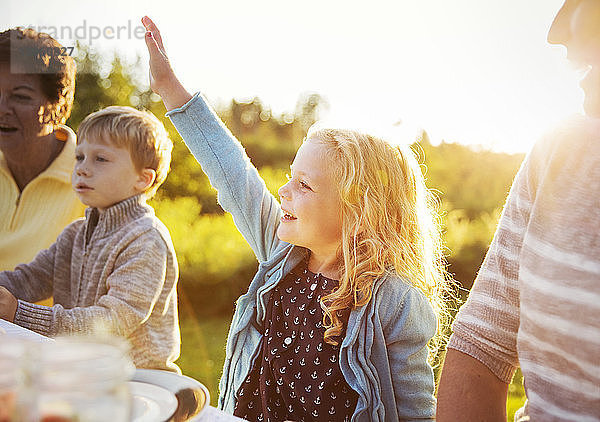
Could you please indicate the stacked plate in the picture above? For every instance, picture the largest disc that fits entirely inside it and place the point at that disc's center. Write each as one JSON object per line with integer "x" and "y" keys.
{"x": 160, "y": 396}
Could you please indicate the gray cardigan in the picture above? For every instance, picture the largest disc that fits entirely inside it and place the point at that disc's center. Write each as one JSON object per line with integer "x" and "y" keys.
{"x": 384, "y": 354}
{"x": 122, "y": 277}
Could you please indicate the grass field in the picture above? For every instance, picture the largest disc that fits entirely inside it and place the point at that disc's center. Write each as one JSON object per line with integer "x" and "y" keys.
{"x": 203, "y": 351}
{"x": 203, "y": 354}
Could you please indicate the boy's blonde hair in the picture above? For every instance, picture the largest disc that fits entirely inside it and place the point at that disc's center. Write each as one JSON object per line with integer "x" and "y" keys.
{"x": 140, "y": 132}
{"x": 389, "y": 223}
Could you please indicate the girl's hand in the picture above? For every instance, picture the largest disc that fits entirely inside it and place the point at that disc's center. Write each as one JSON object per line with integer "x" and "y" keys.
{"x": 162, "y": 78}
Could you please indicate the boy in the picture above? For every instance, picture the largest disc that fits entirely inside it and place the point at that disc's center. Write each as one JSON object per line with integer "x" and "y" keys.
{"x": 116, "y": 269}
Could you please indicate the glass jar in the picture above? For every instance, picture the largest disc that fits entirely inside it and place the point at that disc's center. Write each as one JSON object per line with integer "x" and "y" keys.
{"x": 11, "y": 355}
{"x": 81, "y": 380}
{"x": 16, "y": 400}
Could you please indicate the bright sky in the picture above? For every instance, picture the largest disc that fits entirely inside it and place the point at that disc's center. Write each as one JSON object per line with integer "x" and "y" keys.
{"x": 470, "y": 71}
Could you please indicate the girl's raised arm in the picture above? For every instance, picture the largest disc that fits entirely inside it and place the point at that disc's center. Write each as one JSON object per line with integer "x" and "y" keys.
{"x": 162, "y": 78}
{"x": 241, "y": 191}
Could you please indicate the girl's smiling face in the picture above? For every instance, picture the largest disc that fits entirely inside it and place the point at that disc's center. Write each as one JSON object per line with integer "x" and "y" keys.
{"x": 311, "y": 202}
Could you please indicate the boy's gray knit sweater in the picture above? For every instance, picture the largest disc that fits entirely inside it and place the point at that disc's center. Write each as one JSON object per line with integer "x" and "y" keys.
{"x": 113, "y": 270}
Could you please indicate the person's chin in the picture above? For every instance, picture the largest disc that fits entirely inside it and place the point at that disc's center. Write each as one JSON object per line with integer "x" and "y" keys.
{"x": 591, "y": 88}
{"x": 591, "y": 106}
{"x": 88, "y": 202}
{"x": 10, "y": 143}
{"x": 283, "y": 235}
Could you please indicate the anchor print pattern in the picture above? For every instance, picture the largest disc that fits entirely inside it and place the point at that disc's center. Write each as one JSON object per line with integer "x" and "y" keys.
{"x": 297, "y": 374}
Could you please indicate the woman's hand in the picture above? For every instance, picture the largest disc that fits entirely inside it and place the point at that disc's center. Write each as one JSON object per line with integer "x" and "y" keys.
{"x": 162, "y": 78}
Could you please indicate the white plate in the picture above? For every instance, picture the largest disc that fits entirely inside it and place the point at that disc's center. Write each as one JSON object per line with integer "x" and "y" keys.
{"x": 151, "y": 403}
{"x": 175, "y": 383}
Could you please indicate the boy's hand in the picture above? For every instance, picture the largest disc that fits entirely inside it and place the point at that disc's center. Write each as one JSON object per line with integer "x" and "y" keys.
{"x": 8, "y": 305}
{"x": 162, "y": 78}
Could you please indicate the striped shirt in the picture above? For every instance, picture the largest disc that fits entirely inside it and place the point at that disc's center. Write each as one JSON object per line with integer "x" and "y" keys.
{"x": 536, "y": 300}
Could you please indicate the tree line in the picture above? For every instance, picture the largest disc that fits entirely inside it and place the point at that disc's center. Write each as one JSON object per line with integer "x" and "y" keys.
{"x": 216, "y": 265}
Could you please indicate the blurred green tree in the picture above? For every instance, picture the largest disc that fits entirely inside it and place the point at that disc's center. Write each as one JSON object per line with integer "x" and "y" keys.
{"x": 472, "y": 184}
{"x": 467, "y": 178}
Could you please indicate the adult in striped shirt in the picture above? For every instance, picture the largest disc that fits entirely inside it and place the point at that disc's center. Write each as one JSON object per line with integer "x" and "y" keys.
{"x": 536, "y": 301}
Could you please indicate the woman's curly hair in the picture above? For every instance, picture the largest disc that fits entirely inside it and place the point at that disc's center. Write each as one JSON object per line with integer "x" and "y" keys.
{"x": 27, "y": 51}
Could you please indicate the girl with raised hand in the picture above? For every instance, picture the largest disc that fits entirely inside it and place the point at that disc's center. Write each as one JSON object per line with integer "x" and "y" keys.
{"x": 337, "y": 321}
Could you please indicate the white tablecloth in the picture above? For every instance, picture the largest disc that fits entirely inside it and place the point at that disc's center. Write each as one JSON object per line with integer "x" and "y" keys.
{"x": 13, "y": 330}
{"x": 212, "y": 414}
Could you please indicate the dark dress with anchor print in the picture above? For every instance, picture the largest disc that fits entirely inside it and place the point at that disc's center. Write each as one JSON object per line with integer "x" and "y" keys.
{"x": 296, "y": 375}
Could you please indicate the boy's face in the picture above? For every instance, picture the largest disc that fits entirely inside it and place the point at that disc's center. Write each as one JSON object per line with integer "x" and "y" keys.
{"x": 105, "y": 174}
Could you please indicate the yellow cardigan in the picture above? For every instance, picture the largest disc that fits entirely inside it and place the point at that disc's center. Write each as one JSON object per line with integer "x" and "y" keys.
{"x": 32, "y": 220}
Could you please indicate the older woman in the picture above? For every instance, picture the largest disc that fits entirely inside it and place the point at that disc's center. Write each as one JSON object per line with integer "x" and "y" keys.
{"x": 37, "y": 83}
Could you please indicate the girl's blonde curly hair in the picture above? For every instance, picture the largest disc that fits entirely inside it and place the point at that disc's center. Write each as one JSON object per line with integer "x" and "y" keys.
{"x": 389, "y": 223}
